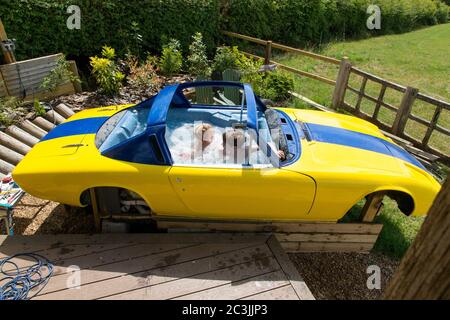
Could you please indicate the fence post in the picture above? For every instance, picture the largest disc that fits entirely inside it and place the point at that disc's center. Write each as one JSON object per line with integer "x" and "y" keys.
{"x": 341, "y": 83}
{"x": 268, "y": 53}
{"x": 404, "y": 110}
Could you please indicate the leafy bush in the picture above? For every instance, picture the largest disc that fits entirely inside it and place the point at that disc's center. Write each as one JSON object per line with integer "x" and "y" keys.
{"x": 142, "y": 74}
{"x": 106, "y": 72}
{"x": 59, "y": 75}
{"x": 171, "y": 58}
{"x": 198, "y": 64}
{"x": 231, "y": 58}
{"x": 274, "y": 86}
{"x": 303, "y": 22}
{"x": 40, "y": 25}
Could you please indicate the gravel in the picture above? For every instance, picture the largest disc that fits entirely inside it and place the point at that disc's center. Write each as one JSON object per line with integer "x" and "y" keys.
{"x": 343, "y": 276}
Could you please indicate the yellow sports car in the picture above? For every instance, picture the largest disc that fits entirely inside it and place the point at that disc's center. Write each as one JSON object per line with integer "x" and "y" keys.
{"x": 215, "y": 150}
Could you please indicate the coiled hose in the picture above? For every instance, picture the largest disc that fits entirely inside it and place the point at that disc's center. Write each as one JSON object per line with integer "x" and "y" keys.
{"x": 16, "y": 283}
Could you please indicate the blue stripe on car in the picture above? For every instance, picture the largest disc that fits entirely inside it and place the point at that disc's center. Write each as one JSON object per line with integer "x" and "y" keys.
{"x": 359, "y": 140}
{"x": 76, "y": 127}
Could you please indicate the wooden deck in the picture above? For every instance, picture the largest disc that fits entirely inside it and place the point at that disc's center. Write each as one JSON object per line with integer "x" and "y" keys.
{"x": 163, "y": 266}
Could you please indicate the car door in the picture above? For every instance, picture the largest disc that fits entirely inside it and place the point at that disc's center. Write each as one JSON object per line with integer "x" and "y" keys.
{"x": 243, "y": 193}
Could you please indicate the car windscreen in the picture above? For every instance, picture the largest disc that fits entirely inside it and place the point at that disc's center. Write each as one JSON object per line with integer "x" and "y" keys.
{"x": 122, "y": 126}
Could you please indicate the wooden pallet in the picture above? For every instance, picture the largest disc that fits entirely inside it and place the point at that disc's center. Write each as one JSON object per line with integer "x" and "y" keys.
{"x": 293, "y": 236}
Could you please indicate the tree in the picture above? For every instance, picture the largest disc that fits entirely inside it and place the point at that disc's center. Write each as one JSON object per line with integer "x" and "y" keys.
{"x": 424, "y": 270}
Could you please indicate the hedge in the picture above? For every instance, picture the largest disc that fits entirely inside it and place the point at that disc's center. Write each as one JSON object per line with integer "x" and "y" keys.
{"x": 303, "y": 22}
{"x": 40, "y": 25}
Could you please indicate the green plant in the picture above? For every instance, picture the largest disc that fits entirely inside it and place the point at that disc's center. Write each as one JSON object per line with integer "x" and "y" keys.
{"x": 10, "y": 108}
{"x": 231, "y": 58}
{"x": 270, "y": 85}
{"x": 142, "y": 74}
{"x": 198, "y": 64}
{"x": 106, "y": 72}
{"x": 38, "y": 107}
{"x": 171, "y": 58}
{"x": 59, "y": 75}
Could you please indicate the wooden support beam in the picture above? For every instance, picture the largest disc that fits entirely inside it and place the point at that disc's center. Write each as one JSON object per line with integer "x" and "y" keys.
{"x": 7, "y": 55}
{"x": 22, "y": 135}
{"x": 95, "y": 210}
{"x": 341, "y": 83}
{"x": 372, "y": 207}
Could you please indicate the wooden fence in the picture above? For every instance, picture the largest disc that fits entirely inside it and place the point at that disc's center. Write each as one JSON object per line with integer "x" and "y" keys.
{"x": 403, "y": 112}
{"x": 23, "y": 79}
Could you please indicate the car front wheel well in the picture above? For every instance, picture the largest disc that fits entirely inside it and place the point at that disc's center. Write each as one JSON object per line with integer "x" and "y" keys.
{"x": 116, "y": 200}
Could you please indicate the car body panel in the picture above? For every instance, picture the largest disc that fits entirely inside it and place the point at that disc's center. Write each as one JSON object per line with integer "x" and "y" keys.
{"x": 322, "y": 184}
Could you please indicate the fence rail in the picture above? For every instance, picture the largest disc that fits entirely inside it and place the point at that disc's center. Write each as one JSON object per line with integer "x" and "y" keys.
{"x": 403, "y": 112}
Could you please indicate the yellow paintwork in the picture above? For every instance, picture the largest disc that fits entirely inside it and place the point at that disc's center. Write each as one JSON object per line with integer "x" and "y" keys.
{"x": 322, "y": 186}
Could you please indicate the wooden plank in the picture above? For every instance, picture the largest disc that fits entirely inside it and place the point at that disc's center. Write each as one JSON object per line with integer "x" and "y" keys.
{"x": 326, "y": 237}
{"x": 43, "y": 124}
{"x": 9, "y": 155}
{"x": 243, "y": 37}
{"x": 361, "y": 94}
{"x": 306, "y": 53}
{"x": 377, "y": 79}
{"x": 95, "y": 209}
{"x": 326, "y": 247}
{"x": 21, "y": 135}
{"x": 268, "y": 52}
{"x": 152, "y": 270}
{"x": 27, "y": 243}
{"x": 64, "y": 110}
{"x": 61, "y": 90}
{"x": 372, "y": 206}
{"x": 289, "y": 270}
{"x": 240, "y": 289}
{"x": 6, "y": 167}
{"x": 434, "y": 120}
{"x": 379, "y": 101}
{"x": 374, "y": 100}
{"x": 33, "y": 62}
{"x": 341, "y": 83}
{"x": 305, "y": 73}
{"x": 229, "y": 272}
{"x": 310, "y": 102}
{"x": 282, "y": 293}
{"x": 404, "y": 110}
{"x": 13, "y": 144}
{"x": 32, "y": 129}
{"x": 280, "y": 227}
{"x": 437, "y": 102}
{"x": 73, "y": 68}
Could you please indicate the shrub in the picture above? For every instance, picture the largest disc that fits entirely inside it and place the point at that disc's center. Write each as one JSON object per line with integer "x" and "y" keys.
{"x": 198, "y": 64}
{"x": 40, "y": 25}
{"x": 231, "y": 58}
{"x": 274, "y": 86}
{"x": 106, "y": 72}
{"x": 142, "y": 74}
{"x": 171, "y": 58}
{"x": 59, "y": 75}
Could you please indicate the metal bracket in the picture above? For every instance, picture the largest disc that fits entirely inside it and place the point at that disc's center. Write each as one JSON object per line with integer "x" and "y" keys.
{"x": 8, "y": 45}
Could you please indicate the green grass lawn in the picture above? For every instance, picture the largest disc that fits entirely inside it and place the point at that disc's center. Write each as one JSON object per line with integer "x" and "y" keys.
{"x": 419, "y": 59}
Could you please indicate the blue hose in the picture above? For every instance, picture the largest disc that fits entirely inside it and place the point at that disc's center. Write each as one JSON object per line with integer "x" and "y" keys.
{"x": 18, "y": 282}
